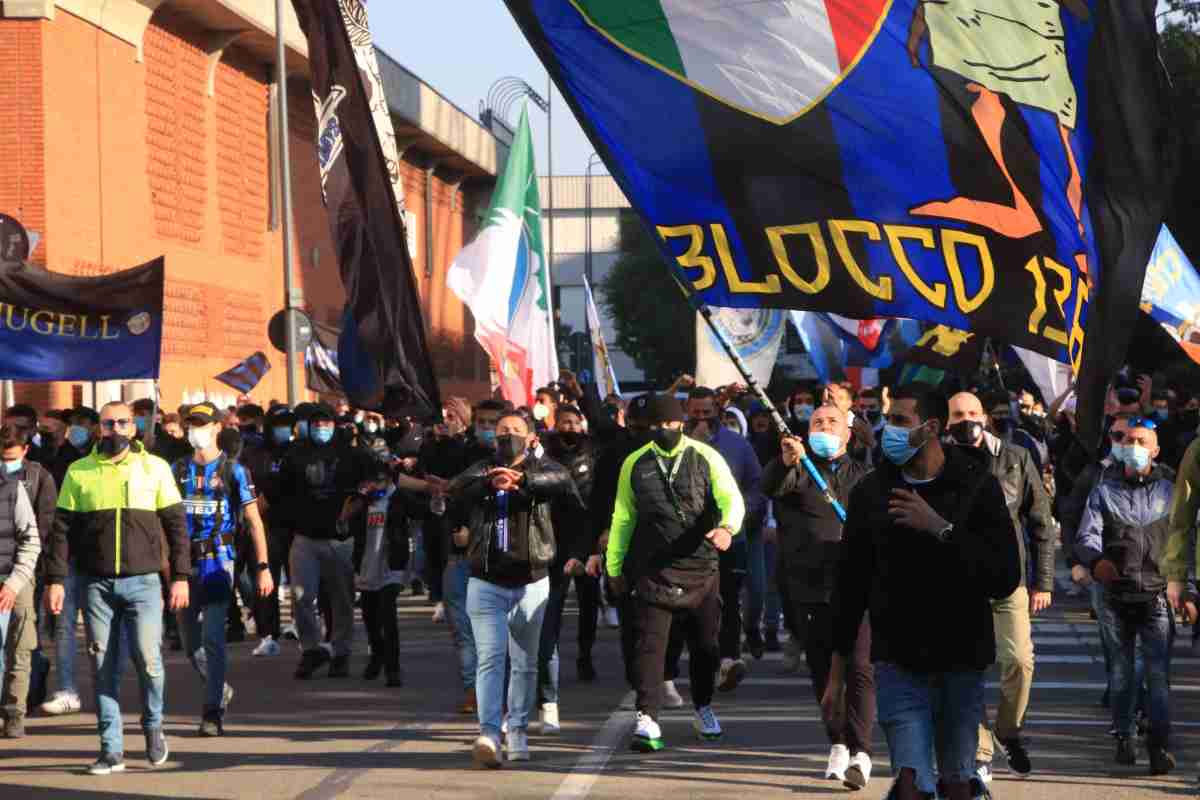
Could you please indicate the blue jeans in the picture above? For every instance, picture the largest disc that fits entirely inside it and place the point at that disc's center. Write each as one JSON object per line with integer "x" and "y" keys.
{"x": 135, "y": 605}
{"x": 209, "y": 596}
{"x": 924, "y": 713}
{"x": 506, "y": 622}
{"x": 64, "y": 633}
{"x": 1108, "y": 648}
{"x": 458, "y": 572}
{"x": 1147, "y": 629}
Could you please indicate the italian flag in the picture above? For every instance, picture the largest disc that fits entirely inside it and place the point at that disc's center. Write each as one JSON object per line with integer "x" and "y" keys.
{"x": 502, "y": 277}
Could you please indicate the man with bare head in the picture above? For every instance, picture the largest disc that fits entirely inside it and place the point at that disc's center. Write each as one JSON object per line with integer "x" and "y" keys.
{"x": 1029, "y": 507}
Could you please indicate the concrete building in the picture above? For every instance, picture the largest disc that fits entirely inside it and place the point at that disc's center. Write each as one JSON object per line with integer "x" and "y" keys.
{"x": 574, "y": 205}
{"x": 139, "y": 128}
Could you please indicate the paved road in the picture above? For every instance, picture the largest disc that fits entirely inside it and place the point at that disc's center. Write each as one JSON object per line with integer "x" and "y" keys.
{"x": 344, "y": 738}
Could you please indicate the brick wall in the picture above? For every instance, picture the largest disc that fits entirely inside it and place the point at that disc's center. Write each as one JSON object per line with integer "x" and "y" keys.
{"x": 22, "y": 136}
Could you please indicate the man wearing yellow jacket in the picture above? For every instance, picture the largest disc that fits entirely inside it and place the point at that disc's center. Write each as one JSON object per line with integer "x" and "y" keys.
{"x": 678, "y": 505}
{"x": 116, "y": 509}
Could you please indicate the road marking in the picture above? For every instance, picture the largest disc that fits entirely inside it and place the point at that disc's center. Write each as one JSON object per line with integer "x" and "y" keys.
{"x": 1043, "y": 685}
{"x": 587, "y": 769}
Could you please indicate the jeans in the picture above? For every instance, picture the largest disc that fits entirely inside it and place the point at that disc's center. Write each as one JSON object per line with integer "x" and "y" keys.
{"x": 18, "y": 638}
{"x": 506, "y": 621}
{"x": 64, "y": 632}
{"x": 921, "y": 713}
{"x": 383, "y": 631}
{"x": 1149, "y": 629}
{"x": 210, "y": 597}
{"x": 814, "y": 632}
{"x": 587, "y": 591}
{"x": 317, "y": 563}
{"x": 1014, "y": 655}
{"x": 458, "y": 572}
{"x": 135, "y": 605}
{"x": 756, "y": 579}
{"x": 773, "y": 606}
{"x": 652, "y": 626}
{"x": 1108, "y": 647}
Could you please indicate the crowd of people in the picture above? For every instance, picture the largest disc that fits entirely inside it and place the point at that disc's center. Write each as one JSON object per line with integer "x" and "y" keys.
{"x": 684, "y": 517}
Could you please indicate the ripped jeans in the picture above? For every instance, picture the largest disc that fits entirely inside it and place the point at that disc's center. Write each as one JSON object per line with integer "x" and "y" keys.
{"x": 135, "y": 604}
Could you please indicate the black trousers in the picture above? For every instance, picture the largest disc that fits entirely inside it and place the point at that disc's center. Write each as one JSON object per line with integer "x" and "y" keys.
{"x": 437, "y": 553}
{"x": 700, "y": 628}
{"x": 266, "y": 609}
{"x": 814, "y": 632}
{"x": 383, "y": 631}
{"x": 733, "y": 573}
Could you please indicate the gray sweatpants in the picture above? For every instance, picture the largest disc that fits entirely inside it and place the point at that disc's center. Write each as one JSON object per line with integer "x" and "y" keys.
{"x": 314, "y": 561}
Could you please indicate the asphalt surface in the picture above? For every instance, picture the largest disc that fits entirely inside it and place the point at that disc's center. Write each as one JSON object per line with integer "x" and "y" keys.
{"x": 329, "y": 738}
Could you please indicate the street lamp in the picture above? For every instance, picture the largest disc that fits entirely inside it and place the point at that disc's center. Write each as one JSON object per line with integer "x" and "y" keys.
{"x": 593, "y": 159}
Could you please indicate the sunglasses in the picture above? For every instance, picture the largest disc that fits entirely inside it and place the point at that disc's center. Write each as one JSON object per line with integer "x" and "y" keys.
{"x": 1143, "y": 422}
{"x": 111, "y": 424}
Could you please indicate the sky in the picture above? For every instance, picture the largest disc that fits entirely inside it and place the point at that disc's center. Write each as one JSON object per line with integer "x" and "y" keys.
{"x": 460, "y": 47}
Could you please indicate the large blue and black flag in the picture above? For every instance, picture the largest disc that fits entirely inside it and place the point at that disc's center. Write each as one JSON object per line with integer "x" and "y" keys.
{"x": 247, "y": 374}
{"x": 989, "y": 165}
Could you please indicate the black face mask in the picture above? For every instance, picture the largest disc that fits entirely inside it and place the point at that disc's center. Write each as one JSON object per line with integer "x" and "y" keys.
{"x": 874, "y": 417}
{"x": 667, "y": 438}
{"x": 571, "y": 440}
{"x": 510, "y": 447}
{"x": 110, "y": 446}
{"x": 1002, "y": 425}
{"x": 640, "y": 436}
{"x": 1189, "y": 418}
{"x": 967, "y": 431}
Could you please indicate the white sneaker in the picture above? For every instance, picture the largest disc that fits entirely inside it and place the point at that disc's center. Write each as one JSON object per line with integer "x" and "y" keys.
{"x": 550, "y": 725}
{"x": 647, "y": 736}
{"x": 486, "y": 753}
{"x": 629, "y": 701}
{"x": 839, "y": 761}
{"x": 226, "y": 696}
{"x": 439, "y": 612}
{"x": 267, "y": 647}
{"x": 504, "y": 725}
{"x": 706, "y": 724}
{"x": 733, "y": 671}
{"x": 984, "y": 773}
{"x": 611, "y": 618}
{"x": 858, "y": 774}
{"x": 517, "y": 745}
{"x": 62, "y": 703}
{"x": 671, "y": 698}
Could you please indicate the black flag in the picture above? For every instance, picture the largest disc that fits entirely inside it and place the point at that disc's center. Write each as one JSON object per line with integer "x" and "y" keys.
{"x": 321, "y": 361}
{"x": 948, "y": 349}
{"x": 382, "y": 353}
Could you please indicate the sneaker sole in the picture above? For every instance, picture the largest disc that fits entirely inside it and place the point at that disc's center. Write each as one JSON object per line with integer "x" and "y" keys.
{"x": 736, "y": 674}
{"x": 551, "y": 730}
{"x": 854, "y": 779}
{"x": 835, "y": 776}
{"x": 518, "y": 756}
{"x": 106, "y": 770}
{"x": 486, "y": 757}
{"x": 641, "y": 744}
{"x": 709, "y": 737}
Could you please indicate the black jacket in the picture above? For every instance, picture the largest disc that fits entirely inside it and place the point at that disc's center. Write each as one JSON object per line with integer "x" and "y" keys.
{"x": 532, "y": 545}
{"x": 605, "y": 475}
{"x": 314, "y": 482}
{"x": 810, "y": 533}
{"x": 1029, "y": 506}
{"x": 570, "y": 513}
{"x": 929, "y": 600}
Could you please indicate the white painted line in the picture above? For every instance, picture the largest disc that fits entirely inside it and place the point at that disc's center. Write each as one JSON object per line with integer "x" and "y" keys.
{"x": 1038, "y": 658}
{"x": 1052, "y": 627}
{"x": 587, "y": 769}
{"x": 1042, "y": 685}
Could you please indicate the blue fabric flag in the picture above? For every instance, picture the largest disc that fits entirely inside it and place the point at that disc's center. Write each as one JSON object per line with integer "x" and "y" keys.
{"x": 246, "y": 375}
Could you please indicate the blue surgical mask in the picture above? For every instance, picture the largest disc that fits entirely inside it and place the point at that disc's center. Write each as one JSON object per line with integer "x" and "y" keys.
{"x": 1133, "y": 456}
{"x": 486, "y": 438}
{"x": 13, "y": 466}
{"x": 895, "y": 445}
{"x": 302, "y": 429}
{"x": 322, "y": 435}
{"x": 140, "y": 424}
{"x": 1161, "y": 415}
{"x": 802, "y": 412}
{"x": 281, "y": 435}
{"x": 78, "y": 436}
{"x": 36, "y": 441}
{"x": 824, "y": 445}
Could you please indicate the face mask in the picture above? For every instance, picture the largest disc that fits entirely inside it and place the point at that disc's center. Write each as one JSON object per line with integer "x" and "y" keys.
{"x": 321, "y": 435}
{"x": 371, "y": 427}
{"x": 540, "y": 412}
{"x": 200, "y": 438}
{"x": 13, "y": 466}
{"x": 571, "y": 440}
{"x": 966, "y": 432}
{"x": 302, "y": 429}
{"x": 874, "y": 417}
{"x": 667, "y": 438}
{"x": 140, "y": 424}
{"x": 824, "y": 445}
{"x": 110, "y": 446}
{"x": 802, "y": 412}
{"x": 510, "y": 447}
{"x": 281, "y": 435}
{"x": 359, "y": 417}
{"x": 1161, "y": 415}
{"x": 1002, "y": 425}
{"x": 895, "y": 445}
{"x": 486, "y": 438}
{"x": 78, "y": 436}
{"x": 1135, "y": 456}
{"x": 36, "y": 441}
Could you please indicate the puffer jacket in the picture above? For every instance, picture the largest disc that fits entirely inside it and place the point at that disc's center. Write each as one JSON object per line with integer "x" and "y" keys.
{"x": 476, "y": 507}
{"x": 1127, "y": 521}
{"x": 571, "y": 521}
{"x": 1028, "y": 505}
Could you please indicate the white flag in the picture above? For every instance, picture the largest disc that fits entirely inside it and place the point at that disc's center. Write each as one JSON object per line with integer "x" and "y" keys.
{"x": 602, "y": 367}
{"x": 756, "y": 334}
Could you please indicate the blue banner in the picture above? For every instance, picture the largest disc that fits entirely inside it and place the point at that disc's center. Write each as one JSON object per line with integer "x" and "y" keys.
{"x": 56, "y": 327}
{"x": 1171, "y": 293}
{"x": 837, "y": 344}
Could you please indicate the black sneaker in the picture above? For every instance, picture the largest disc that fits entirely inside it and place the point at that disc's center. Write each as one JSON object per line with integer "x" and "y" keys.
{"x": 310, "y": 662}
{"x": 1161, "y": 761}
{"x": 374, "y": 669}
{"x": 339, "y": 667}
{"x": 980, "y": 790}
{"x": 1018, "y": 756}
{"x": 395, "y": 679}
{"x": 771, "y": 642}
{"x": 418, "y": 587}
{"x": 585, "y": 668}
{"x": 156, "y": 747}
{"x": 14, "y": 726}
{"x": 212, "y": 724}
{"x": 1126, "y": 753}
{"x": 755, "y": 645}
{"x": 107, "y": 764}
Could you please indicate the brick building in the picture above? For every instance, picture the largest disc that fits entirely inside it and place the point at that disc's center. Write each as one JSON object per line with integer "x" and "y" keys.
{"x": 140, "y": 128}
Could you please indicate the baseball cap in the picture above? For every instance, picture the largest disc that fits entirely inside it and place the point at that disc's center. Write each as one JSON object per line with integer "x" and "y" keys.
{"x": 203, "y": 413}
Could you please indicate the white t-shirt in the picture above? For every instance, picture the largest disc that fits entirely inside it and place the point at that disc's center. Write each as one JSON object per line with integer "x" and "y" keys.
{"x": 374, "y": 574}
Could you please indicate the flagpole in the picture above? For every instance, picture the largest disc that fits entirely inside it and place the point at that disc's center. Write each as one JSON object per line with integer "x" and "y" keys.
{"x": 285, "y": 192}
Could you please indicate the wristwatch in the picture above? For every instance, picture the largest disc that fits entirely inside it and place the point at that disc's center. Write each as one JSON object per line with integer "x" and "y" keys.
{"x": 944, "y": 534}
{"x": 260, "y": 566}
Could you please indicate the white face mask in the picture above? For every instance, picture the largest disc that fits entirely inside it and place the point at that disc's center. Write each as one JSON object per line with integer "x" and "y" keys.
{"x": 200, "y": 438}
{"x": 540, "y": 412}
